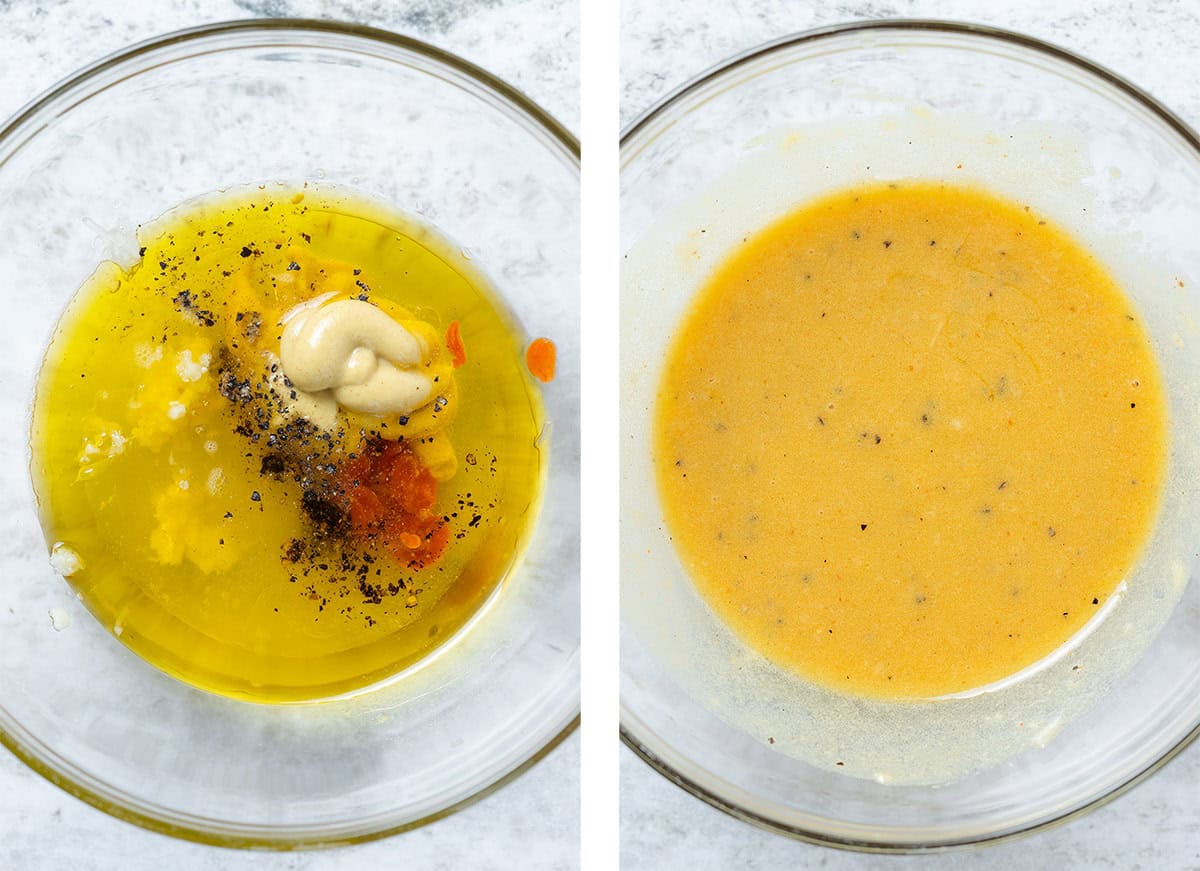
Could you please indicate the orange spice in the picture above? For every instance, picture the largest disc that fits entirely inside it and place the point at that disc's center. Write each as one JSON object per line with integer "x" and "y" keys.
{"x": 540, "y": 357}
{"x": 391, "y": 497}
{"x": 454, "y": 343}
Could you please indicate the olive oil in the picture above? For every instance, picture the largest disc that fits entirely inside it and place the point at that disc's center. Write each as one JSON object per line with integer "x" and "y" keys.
{"x": 202, "y": 520}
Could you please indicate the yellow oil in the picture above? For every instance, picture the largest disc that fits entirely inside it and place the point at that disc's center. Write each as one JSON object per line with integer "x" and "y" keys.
{"x": 147, "y": 470}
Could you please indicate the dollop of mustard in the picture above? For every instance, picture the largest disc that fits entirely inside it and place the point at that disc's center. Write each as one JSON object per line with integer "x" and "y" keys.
{"x": 349, "y": 353}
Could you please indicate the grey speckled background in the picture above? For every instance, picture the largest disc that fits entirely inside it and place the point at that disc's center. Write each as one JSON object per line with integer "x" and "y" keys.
{"x": 1154, "y": 43}
{"x": 532, "y": 823}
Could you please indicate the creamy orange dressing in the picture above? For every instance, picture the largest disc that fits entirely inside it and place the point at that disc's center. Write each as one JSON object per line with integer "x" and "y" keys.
{"x": 909, "y": 439}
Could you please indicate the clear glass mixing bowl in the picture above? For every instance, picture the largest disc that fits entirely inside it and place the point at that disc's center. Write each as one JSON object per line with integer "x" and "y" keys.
{"x": 288, "y": 101}
{"x": 759, "y": 135}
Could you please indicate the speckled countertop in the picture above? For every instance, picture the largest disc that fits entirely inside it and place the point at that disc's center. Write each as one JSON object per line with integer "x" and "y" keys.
{"x": 1155, "y": 44}
{"x": 534, "y": 821}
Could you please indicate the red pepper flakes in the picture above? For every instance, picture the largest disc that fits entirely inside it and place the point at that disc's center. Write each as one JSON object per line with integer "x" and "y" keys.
{"x": 540, "y": 358}
{"x": 454, "y": 342}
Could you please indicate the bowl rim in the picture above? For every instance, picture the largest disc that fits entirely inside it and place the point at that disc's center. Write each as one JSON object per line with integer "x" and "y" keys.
{"x": 565, "y": 138}
{"x": 20, "y": 127}
{"x": 633, "y": 731}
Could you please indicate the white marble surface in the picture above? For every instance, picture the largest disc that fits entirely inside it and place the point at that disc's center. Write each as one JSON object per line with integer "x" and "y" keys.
{"x": 534, "y": 821}
{"x": 1154, "y": 43}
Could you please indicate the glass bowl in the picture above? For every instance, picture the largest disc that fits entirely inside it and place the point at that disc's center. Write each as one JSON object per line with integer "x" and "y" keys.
{"x": 758, "y": 136}
{"x": 217, "y": 107}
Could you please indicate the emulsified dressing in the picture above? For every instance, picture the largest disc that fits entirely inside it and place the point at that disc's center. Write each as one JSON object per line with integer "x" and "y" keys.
{"x": 909, "y": 439}
{"x": 291, "y": 450}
